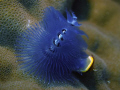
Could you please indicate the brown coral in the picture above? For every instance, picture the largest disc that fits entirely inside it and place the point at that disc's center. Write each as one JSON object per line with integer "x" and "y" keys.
{"x": 102, "y": 27}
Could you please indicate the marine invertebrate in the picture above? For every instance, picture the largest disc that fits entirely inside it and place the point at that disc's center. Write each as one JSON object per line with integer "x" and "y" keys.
{"x": 52, "y": 49}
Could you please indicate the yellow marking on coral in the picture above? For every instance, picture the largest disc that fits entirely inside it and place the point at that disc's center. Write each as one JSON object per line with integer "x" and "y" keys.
{"x": 89, "y": 64}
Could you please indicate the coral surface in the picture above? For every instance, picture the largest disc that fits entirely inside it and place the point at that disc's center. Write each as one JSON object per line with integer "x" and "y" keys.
{"x": 100, "y": 20}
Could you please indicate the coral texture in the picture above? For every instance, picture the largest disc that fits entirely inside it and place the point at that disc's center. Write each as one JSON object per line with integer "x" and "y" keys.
{"x": 101, "y": 23}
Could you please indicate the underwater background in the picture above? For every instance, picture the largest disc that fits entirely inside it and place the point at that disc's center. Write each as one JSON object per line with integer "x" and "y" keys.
{"x": 100, "y": 20}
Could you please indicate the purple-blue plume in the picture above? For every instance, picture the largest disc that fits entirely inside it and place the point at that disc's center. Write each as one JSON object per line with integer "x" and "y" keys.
{"x": 52, "y": 49}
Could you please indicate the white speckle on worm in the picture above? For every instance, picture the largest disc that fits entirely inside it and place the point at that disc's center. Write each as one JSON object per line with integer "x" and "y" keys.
{"x": 60, "y": 36}
{"x": 56, "y": 42}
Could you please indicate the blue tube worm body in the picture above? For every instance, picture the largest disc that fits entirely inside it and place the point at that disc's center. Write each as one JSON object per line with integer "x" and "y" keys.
{"x": 52, "y": 49}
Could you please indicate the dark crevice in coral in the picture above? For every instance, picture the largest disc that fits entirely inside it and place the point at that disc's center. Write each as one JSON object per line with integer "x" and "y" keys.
{"x": 117, "y": 1}
{"x": 5, "y": 72}
{"x": 90, "y": 79}
{"x": 27, "y": 3}
{"x": 8, "y": 37}
{"x": 81, "y": 8}
{"x": 87, "y": 79}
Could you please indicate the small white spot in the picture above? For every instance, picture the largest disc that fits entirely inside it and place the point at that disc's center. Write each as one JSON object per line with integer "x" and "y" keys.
{"x": 28, "y": 24}
{"x": 60, "y": 36}
{"x": 95, "y": 70}
{"x": 56, "y": 42}
{"x": 108, "y": 82}
{"x": 64, "y": 30}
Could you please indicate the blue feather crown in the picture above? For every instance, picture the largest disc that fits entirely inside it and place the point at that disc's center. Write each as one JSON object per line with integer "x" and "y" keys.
{"x": 52, "y": 49}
